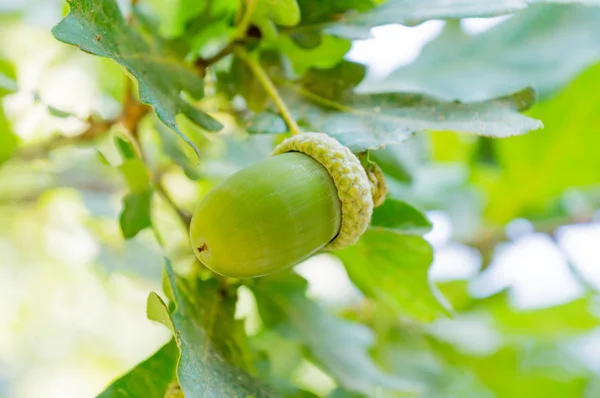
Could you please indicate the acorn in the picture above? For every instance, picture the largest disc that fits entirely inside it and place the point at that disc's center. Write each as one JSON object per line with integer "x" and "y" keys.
{"x": 312, "y": 194}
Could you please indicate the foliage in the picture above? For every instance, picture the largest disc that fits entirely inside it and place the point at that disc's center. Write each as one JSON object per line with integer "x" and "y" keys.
{"x": 188, "y": 92}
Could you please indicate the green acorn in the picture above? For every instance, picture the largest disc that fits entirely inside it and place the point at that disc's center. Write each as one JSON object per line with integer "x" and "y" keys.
{"x": 313, "y": 194}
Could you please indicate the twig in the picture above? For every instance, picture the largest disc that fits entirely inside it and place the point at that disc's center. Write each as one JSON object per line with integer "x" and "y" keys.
{"x": 246, "y": 20}
{"x": 202, "y": 63}
{"x": 269, "y": 87}
{"x": 184, "y": 217}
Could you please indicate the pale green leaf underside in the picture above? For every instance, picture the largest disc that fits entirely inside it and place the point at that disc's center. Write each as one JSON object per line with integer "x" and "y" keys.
{"x": 412, "y": 12}
{"x": 544, "y": 47}
{"x": 97, "y": 27}
{"x": 364, "y": 122}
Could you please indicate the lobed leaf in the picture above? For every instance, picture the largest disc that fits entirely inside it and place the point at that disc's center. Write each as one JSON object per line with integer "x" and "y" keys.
{"x": 340, "y": 346}
{"x": 527, "y": 50}
{"x": 212, "y": 343}
{"x": 400, "y": 217}
{"x": 324, "y": 101}
{"x": 97, "y": 27}
{"x": 393, "y": 268}
{"x": 150, "y": 379}
{"x": 412, "y": 12}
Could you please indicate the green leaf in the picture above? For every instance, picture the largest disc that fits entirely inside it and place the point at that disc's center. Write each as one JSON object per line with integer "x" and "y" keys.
{"x": 266, "y": 123}
{"x": 9, "y": 142}
{"x": 570, "y": 319}
{"x": 211, "y": 341}
{"x": 149, "y": 379}
{"x": 393, "y": 268}
{"x": 8, "y": 82}
{"x": 340, "y": 346}
{"x": 329, "y": 52}
{"x": 510, "y": 375}
{"x": 136, "y": 174}
{"x": 136, "y": 213}
{"x": 391, "y": 162}
{"x": 400, "y": 217}
{"x": 281, "y": 12}
{"x": 97, "y": 27}
{"x": 412, "y": 12}
{"x": 535, "y": 170}
{"x": 527, "y": 50}
{"x": 324, "y": 101}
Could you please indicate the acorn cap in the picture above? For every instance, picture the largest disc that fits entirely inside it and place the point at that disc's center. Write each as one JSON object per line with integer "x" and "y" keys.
{"x": 351, "y": 181}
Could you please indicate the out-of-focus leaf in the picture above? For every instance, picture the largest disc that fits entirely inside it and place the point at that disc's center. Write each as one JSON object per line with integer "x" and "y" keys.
{"x": 279, "y": 12}
{"x": 213, "y": 360}
{"x": 573, "y": 318}
{"x": 394, "y": 268}
{"x": 390, "y": 160}
{"x": 400, "y": 217}
{"x": 8, "y": 140}
{"x": 266, "y": 123}
{"x": 150, "y": 378}
{"x": 340, "y": 346}
{"x": 527, "y": 50}
{"x": 535, "y": 170}
{"x": 329, "y": 52}
{"x": 136, "y": 213}
{"x": 508, "y": 375}
{"x": 100, "y": 29}
{"x": 136, "y": 174}
{"x": 411, "y": 12}
{"x": 324, "y": 101}
{"x": 245, "y": 83}
{"x": 8, "y": 83}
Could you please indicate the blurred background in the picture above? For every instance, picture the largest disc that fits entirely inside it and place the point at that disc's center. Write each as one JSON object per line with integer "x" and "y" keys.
{"x": 516, "y": 223}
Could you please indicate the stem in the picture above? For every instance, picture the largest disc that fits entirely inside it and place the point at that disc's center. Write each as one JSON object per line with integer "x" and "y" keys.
{"x": 242, "y": 28}
{"x": 184, "y": 217}
{"x": 269, "y": 87}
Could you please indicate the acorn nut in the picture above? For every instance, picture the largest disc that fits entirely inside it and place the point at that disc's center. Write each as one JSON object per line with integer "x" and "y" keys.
{"x": 312, "y": 194}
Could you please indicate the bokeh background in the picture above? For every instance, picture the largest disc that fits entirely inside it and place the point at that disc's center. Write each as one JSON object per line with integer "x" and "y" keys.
{"x": 515, "y": 221}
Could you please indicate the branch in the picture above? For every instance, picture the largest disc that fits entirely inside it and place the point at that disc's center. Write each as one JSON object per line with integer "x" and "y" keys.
{"x": 245, "y": 21}
{"x": 269, "y": 87}
{"x": 183, "y": 216}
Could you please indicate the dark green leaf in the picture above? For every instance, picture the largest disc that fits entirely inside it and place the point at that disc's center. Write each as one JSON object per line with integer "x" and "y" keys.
{"x": 393, "y": 268}
{"x": 213, "y": 360}
{"x": 97, "y": 27}
{"x": 136, "y": 213}
{"x": 340, "y": 346}
{"x": 525, "y": 51}
{"x": 411, "y": 12}
{"x": 149, "y": 379}
{"x": 400, "y": 217}
{"x": 326, "y": 103}
{"x": 391, "y": 162}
